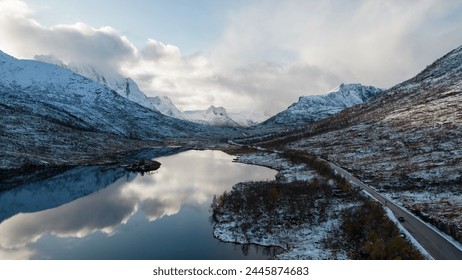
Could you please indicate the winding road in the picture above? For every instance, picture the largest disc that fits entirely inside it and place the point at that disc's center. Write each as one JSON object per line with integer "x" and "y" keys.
{"x": 435, "y": 244}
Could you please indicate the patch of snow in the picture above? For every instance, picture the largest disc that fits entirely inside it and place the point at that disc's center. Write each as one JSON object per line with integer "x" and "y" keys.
{"x": 165, "y": 105}
{"x": 288, "y": 172}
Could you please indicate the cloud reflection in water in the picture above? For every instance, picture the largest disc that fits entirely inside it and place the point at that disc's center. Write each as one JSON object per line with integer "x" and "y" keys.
{"x": 189, "y": 178}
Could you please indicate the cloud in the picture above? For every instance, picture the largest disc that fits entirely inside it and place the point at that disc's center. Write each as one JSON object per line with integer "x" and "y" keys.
{"x": 270, "y": 85}
{"x": 372, "y": 42}
{"x": 24, "y": 37}
{"x": 269, "y": 54}
{"x": 158, "y": 68}
{"x": 161, "y": 69}
{"x": 15, "y": 8}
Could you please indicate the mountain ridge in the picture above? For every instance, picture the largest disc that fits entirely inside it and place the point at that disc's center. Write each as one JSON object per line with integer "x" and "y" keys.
{"x": 127, "y": 88}
{"x": 53, "y": 116}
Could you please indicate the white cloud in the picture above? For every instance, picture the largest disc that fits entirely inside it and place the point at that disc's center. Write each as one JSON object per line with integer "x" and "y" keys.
{"x": 367, "y": 41}
{"x": 270, "y": 52}
{"x": 15, "y": 8}
{"x": 104, "y": 47}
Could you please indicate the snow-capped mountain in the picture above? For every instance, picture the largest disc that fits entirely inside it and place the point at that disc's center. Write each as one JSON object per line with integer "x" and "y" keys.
{"x": 213, "y": 115}
{"x": 165, "y": 105}
{"x": 312, "y": 108}
{"x": 62, "y": 95}
{"x": 126, "y": 87}
{"x": 217, "y": 116}
{"x": 248, "y": 119}
{"x": 51, "y": 115}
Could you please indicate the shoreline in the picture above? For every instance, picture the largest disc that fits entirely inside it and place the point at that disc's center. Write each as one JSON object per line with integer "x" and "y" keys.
{"x": 298, "y": 242}
{"x": 305, "y": 213}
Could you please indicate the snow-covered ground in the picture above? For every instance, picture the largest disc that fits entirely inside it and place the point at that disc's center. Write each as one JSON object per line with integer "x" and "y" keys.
{"x": 304, "y": 242}
{"x": 288, "y": 172}
{"x": 126, "y": 87}
{"x": 300, "y": 241}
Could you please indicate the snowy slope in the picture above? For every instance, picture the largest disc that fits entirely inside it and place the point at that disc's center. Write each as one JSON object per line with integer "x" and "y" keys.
{"x": 164, "y": 105}
{"x": 213, "y": 115}
{"x": 410, "y": 134}
{"x": 51, "y": 115}
{"x": 312, "y": 108}
{"x": 126, "y": 87}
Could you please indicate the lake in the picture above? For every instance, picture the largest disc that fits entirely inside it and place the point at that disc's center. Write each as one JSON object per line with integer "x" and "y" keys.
{"x": 105, "y": 212}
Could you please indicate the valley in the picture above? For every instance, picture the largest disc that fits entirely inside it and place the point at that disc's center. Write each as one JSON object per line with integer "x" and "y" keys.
{"x": 405, "y": 142}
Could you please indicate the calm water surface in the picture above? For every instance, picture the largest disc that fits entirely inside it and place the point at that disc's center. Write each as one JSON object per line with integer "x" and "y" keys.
{"x": 107, "y": 213}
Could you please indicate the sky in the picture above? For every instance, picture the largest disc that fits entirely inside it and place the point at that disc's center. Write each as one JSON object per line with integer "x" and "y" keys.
{"x": 256, "y": 55}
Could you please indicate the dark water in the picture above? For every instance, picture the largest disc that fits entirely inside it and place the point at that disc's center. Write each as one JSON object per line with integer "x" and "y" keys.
{"x": 107, "y": 213}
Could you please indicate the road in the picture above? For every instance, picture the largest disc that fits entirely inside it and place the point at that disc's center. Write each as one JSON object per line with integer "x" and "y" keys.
{"x": 436, "y": 245}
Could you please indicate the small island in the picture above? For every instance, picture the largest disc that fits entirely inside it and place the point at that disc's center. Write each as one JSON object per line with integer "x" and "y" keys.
{"x": 143, "y": 166}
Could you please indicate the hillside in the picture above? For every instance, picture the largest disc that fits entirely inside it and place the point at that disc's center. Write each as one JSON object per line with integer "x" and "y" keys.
{"x": 407, "y": 142}
{"x": 410, "y": 133}
{"x": 52, "y": 116}
{"x": 164, "y": 105}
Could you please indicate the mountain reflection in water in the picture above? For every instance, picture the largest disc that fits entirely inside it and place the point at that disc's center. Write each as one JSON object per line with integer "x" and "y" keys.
{"x": 125, "y": 216}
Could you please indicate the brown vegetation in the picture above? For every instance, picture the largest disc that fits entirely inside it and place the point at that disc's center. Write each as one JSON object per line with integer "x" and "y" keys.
{"x": 258, "y": 209}
{"x": 321, "y": 167}
{"x": 366, "y": 233}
